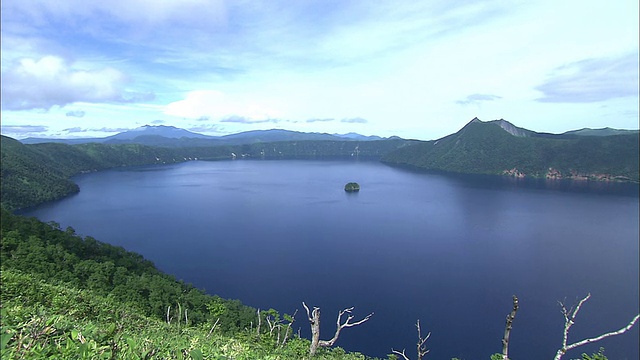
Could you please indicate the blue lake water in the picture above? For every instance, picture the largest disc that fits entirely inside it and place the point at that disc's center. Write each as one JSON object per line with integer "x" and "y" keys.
{"x": 448, "y": 250}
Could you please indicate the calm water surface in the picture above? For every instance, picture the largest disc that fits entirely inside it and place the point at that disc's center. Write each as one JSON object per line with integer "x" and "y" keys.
{"x": 450, "y": 251}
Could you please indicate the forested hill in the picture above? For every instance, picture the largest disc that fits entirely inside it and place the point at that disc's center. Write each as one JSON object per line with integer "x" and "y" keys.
{"x": 36, "y": 173}
{"x": 500, "y": 148}
{"x": 67, "y": 297}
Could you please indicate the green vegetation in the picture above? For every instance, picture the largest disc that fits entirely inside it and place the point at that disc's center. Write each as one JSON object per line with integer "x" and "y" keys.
{"x": 352, "y": 187}
{"x": 486, "y": 148}
{"x": 68, "y": 297}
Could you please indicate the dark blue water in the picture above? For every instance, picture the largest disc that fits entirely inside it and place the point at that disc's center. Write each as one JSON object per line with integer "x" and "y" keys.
{"x": 450, "y": 251}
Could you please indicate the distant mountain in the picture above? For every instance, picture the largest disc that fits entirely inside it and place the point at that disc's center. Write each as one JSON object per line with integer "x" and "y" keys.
{"x": 170, "y": 132}
{"x": 74, "y": 141}
{"x": 354, "y": 136}
{"x": 600, "y": 132}
{"x": 169, "y": 136}
{"x": 274, "y": 135}
{"x": 501, "y": 148}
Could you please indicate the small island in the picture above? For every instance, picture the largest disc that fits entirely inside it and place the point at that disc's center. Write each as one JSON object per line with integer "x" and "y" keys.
{"x": 352, "y": 187}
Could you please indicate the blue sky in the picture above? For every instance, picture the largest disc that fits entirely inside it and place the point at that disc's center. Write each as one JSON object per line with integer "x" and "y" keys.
{"x": 416, "y": 69}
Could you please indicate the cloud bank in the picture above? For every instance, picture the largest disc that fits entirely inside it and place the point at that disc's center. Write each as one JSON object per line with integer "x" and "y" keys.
{"x": 23, "y": 130}
{"x": 216, "y": 105}
{"x": 50, "y": 81}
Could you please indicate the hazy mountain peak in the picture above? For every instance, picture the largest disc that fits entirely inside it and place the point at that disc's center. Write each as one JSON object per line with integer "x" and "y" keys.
{"x": 607, "y": 131}
{"x": 171, "y": 132}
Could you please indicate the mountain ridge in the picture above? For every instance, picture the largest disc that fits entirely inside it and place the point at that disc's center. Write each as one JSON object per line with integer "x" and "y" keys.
{"x": 170, "y": 136}
{"x": 492, "y": 148}
{"x": 36, "y": 173}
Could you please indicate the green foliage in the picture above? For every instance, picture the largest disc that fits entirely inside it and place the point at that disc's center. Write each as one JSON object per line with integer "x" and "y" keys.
{"x": 595, "y": 356}
{"x": 47, "y": 252}
{"x": 485, "y": 148}
{"x": 63, "y": 296}
{"x": 42, "y": 320}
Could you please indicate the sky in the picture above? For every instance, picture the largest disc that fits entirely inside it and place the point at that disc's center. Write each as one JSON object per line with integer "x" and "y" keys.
{"x": 414, "y": 69}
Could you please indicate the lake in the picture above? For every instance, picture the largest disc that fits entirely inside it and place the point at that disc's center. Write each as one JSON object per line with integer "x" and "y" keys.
{"x": 448, "y": 250}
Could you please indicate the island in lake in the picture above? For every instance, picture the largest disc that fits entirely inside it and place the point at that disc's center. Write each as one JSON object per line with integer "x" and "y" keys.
{"x": 352, "y": 187}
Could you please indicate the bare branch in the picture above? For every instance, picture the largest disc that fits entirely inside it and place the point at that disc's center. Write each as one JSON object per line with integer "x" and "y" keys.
{"x": 508, "y": 327}
{"x": 213, "y": 327}
{"x": 272, "y": 326}
{"x": 421, "y": 348}
{"x": 570, "y": 315}
{"x": 259, "y": 324}
{"x": 340, "y": 325}
{"x": 286, "y": 331}
{"x": 400, "y": 353}
{"x": 308, "y": 313}
{"x": 314, "y": 320}
{"x": 612, "y": 333}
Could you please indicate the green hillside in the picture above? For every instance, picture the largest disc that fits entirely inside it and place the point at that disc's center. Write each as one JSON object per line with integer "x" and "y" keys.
{"x": 33, "y": 174}
{"x": 486, "y": 148}
{"x": 69, "y": 297}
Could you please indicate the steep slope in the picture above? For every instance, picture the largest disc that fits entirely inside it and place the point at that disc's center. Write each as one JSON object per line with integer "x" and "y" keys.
{"x": 491, "y": 148}
{"x": 68, "y": 297}
{"x": 30, "y": 176}
{"x": 33, "y": 174}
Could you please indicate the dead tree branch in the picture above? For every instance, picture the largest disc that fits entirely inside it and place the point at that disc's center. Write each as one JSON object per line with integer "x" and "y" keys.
{"x": 259, "y": 324}
{"x": 508, "y": 327}
{"x": 213, "y": 327}
{"x": 421, "y": 348}
{"x": 404, "y": 356}
{"x": 569, "y": 320}
{"x": 314, "y": 320}
{"x": 288, "y": 328}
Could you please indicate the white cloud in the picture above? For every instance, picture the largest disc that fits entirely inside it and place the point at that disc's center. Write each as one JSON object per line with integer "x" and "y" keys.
{"x": 477, "y": 99}
{"x": 50, "y": 81}
{"x": 219, "y": 106}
